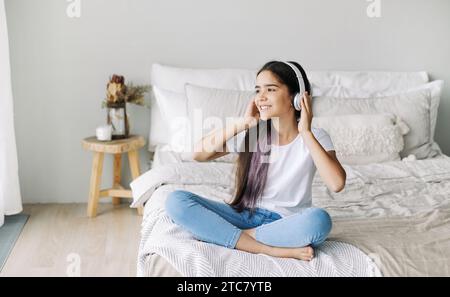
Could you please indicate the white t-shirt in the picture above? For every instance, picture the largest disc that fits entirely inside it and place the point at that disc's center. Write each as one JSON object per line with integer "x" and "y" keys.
{"x": 291, "y": 170}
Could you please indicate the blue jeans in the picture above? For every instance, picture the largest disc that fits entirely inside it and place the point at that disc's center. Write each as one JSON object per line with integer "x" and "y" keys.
{"x": 218, "y": 223}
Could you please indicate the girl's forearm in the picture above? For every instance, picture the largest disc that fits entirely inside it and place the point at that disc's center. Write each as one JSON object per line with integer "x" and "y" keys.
{"x": 330, "y": 170}
{"x": 215, "y": 141}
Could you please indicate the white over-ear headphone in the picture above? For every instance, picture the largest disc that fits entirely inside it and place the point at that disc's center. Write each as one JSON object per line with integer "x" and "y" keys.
{"x": 301, "y": 84}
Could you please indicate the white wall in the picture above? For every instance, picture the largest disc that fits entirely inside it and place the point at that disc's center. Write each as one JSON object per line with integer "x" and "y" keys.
{"x": 60, "y": 65}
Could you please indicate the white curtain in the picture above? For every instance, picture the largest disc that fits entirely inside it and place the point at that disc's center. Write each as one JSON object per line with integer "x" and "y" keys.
{"x": 10, "y": 200}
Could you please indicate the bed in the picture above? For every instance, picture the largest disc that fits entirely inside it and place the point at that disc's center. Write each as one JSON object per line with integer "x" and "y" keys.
{"x": 391, "y": 219}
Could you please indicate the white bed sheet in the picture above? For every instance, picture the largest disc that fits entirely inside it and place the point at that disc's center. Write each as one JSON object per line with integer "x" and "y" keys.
{"x": 385, "y": 190}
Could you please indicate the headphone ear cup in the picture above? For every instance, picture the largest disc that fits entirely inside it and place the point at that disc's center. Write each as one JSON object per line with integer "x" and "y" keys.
{"x": 297, "y": 104}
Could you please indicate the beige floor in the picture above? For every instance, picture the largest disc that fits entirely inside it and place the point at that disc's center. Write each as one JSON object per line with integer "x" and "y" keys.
{"x": 60, "y": 240}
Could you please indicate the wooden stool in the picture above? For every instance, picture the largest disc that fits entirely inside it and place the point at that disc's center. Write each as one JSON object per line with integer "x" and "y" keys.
{"x": 116, "y": 147}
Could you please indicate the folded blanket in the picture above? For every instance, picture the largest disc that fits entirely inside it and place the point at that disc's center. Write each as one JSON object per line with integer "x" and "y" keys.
{"x": 192, "y": 257}
{"x": 217, "y": 175}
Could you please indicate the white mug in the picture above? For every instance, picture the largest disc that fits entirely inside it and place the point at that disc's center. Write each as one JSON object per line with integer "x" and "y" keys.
{"x": 104, "y": 133}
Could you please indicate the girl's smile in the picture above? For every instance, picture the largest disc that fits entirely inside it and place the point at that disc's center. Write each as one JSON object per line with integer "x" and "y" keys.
{"x": 272, "y": 97}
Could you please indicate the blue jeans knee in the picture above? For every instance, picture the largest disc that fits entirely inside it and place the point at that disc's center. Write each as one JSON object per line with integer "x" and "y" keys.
{"x": 176, "y": 203}
{"x": 322, "y": 223}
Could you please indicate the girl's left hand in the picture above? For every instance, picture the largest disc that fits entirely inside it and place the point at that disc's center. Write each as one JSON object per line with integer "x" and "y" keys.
{"x": 306, "y": 115}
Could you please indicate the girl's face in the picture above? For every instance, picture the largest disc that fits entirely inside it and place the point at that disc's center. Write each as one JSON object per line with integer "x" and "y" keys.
{"x": 272, "y": 97}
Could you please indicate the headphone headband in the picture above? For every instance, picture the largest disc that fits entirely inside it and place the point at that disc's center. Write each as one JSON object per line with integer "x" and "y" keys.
{"x": 301, "y": 84}
{"x": 301, "y": 80}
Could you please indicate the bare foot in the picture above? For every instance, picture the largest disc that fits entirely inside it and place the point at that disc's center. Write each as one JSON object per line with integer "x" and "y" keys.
{"x": 250, "y": 232}
{"x": 304, "y": 253}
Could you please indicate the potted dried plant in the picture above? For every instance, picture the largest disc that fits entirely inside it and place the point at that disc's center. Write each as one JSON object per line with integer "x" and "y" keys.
{"x": 118, "y": 94}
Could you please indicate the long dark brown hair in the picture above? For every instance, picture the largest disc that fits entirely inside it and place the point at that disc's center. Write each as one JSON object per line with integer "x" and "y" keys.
{"x": 251, "y": 171}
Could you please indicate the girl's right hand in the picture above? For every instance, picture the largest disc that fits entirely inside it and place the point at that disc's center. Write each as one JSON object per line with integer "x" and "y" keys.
{"x": 251, "y": 113}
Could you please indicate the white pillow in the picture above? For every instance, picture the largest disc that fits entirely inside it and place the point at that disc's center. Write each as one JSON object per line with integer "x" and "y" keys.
{"x": 177, "y": 119}
{"x": 364, "y": 138}
{"x": 363, "y": 83}
{"x": 174, "y": 78}
{"x": 173, "y": 110}
{"x": 434, "y": 87}
{"x": 178, "y": 112}
{"x": 211, "y": 108}
{"x": 412, "y": 107}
